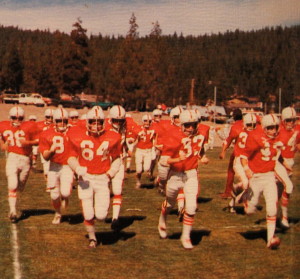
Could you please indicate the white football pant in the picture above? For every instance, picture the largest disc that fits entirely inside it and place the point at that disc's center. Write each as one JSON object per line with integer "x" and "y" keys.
{"x": 143, "y": 158}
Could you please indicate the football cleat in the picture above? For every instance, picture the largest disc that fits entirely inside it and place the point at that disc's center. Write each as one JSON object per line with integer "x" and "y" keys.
{"x": 92, "y": 243}
{"x": 186, "y": 243}
{"x": 273, "y": 243}
{"x": 162, "y": 232}
{"x": 285, "y": 223}
{"x": 115, "y": 225}
{"x": 13, "y": 218}
{"x": 57, "y": 219}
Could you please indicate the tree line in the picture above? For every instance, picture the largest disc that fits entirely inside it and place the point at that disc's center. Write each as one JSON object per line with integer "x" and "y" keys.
{"x": 142, "y": 71}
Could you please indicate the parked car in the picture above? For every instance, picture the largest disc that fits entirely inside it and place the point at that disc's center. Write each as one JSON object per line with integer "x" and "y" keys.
{"x": 10, "y": 97}
{"x": 73, "y": 102}
{"x": 103, "y": 105}
{"x": 31, "y": 99}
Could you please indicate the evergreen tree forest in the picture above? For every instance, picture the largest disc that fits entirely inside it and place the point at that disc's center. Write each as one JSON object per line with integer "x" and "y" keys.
{"x": 143, "y": 71}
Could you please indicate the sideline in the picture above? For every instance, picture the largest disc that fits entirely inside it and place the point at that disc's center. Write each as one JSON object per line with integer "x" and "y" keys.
{"x": 15, "y": 251}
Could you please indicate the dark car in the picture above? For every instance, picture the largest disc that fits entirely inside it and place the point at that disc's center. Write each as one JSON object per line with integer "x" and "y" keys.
{"x": 103, "y": 105}
{"x": 75, "y": 102}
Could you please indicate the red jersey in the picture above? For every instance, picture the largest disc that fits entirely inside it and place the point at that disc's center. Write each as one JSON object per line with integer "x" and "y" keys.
{"x": 235, "y": 130}
{"x": 61, "y": 140}
{"x": 262, "y": 152}
{"x": 95, "y": 153}
{"x": 145, "y": 137}
{"x": 27, "y": 130}
{"x": 42, "y": 126}
{"x": 191, "y": 146}
{"x": 289, "y": 140}
{"x": 174, "y": 132}
{"x": 203, "y": 130}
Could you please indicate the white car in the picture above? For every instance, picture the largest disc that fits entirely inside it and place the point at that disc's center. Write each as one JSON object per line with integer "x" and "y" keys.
{"x": 31, "y": 99}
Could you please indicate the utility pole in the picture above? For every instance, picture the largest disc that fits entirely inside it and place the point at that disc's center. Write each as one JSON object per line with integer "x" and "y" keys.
{"x": 215, "y": 101}
{"x": 191, "y": 98}
{"x": 279, "y": 97}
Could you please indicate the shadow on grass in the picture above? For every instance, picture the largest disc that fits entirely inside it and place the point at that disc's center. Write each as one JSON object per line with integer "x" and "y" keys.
{"x": 203, "y": 200}
{"x": 126, "y": 221}
{"x": 72, "y": 219}
{"x": 196, "y": 236}
{"x": 252, "y": 235}
{"x": 109, "y": 238}
{"x": 27, "y": 213}
{"x": 147, "y": 186}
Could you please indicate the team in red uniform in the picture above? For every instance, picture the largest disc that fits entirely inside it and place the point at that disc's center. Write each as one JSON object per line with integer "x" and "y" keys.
{"x": 17, "y": 138}
{"x": 95, "y": 158}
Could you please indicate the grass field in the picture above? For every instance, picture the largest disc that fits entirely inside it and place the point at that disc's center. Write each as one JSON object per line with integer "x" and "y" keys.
{"x": 226, "y": 245}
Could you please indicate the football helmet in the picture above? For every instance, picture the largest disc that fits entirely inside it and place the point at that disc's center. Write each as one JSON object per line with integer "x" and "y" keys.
{"x": 157, "y": 113}
{"x": 73, "y": 114}
{"x": 60, "y": 117}
{"x": 189, "y": 121}
{"x": 249, "y": 121}
{"x": 16, "y": 115}
{"x": 270, "y": 124}
{"x": 117, "y": 115}
{"x": 147, "y": 119}
{"x": 289, "y": 117}
{"x": 198, "y": 113}
{"x": 32, "y": 117}
{"x": 95, "y": 120}
{"x": 174, "y": 114}
{"x": 48, "y": 115}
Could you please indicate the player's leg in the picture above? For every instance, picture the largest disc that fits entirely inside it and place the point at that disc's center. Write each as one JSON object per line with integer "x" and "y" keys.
{"x": 11, "y": 169}
{"x": 53, "y": 185}
{"x": 190, "y": 193}
{"x": 117, "y": 185}
{"x": 283, "y": 176}
{"x": 139, "y": 166}
{"x": 162, "y": 174}
{"x": 230, "y": 179}
{"x": 147, "y": 161}
{"x": 271, "y": 198}
{"x": 102, "y": 196}
{"x": 66, "y": 182}
{"x": 86, "y": 196}
{"x": 173, "y": 185}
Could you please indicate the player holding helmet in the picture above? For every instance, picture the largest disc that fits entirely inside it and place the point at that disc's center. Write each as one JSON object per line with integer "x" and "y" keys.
{"x": 94, "y": 156}
{"x": 258, "y": 160}
{"x": 53, "y": 145}
{"x": 182, "y": 155}
{"x": 288, "y": 134}
{"x": 17, "y": 138}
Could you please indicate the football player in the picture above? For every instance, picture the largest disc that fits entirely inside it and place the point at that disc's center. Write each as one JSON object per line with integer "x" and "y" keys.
{"x": 288, "y": 134}
{"x": 143, "y": 153}
{"x": 53, "y": 145}
{"x": 73, "y": 117}
{"x": 258, "y": 159}
{"x": 95, "y": 158}
{"x": 182, "y": 155}
{"x": 17, "y": 138}
{"x": 235, "y": 130}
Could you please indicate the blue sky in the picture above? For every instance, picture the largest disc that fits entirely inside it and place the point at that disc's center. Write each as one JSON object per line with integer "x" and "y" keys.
{"x": 111, "y": 17}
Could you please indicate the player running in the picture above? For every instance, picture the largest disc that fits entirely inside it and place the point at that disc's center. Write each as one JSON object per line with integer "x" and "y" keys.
{"x": 94, "y": 156}
{"x": 17, "y": 138}
{"x": 53, "y": 144}
{"x": 258, "y": 160}
{"x": 182, "y": 155}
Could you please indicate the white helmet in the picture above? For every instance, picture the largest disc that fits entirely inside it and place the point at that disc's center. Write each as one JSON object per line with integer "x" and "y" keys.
{"x": 73, "y": 114}
{"x": 176, "y": 111}
{"x": 16, "y": 114}
{"x": 95, "y": 120}
{"x": 32, "y": 117}
{"x": 289, "y": 117}
{"x": 249, "y": 120}
{"x": 269, "y": 122}
{"x": 147, "y": 119}
{"x": 157, "y": 112}
{"x": 49, "y": 115}
{"x": 117, "y": 115}
{"x": 60, "y": 117}
{"x": 188, "y": 118}
{"x": 128, "y": 115}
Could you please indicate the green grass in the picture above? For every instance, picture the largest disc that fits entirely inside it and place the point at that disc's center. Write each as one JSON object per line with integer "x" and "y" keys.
{"x": 226, "y": 245}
